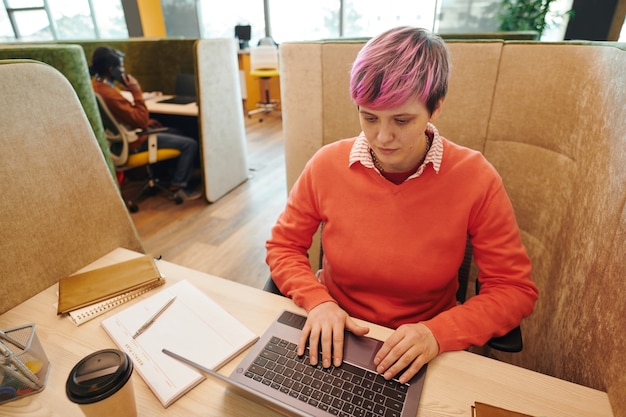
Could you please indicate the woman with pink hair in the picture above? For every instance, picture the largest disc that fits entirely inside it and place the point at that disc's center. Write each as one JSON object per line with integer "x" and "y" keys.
{"x": 397, "y": 204}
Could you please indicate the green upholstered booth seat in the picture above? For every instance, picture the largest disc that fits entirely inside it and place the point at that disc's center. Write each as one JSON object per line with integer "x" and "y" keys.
{"x": 153, "y": 61}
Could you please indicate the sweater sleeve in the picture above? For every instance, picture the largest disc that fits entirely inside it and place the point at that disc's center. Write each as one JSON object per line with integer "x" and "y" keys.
{"x": 507, "y": 292}
{"x": 290, "y": 239}
{"x": 133, "y": 115}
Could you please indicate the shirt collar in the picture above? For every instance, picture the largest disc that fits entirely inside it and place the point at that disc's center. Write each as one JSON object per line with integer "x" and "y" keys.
{"x": 361, "y": 152}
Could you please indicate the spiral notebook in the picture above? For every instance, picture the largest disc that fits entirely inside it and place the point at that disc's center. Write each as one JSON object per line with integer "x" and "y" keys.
{"x": 85, "y": 314}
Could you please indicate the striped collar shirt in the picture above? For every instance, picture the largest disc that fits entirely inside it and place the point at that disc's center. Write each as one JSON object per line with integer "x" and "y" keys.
{"x": 361, "y": 153}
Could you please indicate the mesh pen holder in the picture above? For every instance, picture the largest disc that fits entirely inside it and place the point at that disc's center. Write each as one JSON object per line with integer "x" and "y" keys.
{"x": 23, "y": 363}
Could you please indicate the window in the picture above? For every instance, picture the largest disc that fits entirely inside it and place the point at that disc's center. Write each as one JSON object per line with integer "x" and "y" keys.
{"x": 311, "y": 20}
{"x": 368, "y": 18}
{"x": 181, "y": 18}
{"x": 109, "y": 19}
{"x": 72, "y": 20}
{"x": 35, "y": 20}
{"x": 29, "y": 19}
{"x": 218, "y": 18}
{"x": 458, "y": 16}
{"x": 298, "y": 21}
{"x": 295, "y": 21}
{"x": 6, "y": 33}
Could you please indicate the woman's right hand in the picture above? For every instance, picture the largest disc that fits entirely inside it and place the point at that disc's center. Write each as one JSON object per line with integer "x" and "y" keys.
{"x": 324, "y": 327}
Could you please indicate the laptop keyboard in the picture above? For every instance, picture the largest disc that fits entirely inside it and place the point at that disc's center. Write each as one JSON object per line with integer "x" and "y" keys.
{"x": 346, "y": 390}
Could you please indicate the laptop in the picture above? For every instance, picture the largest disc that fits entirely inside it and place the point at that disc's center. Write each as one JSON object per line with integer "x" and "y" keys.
{"x": 273, "y": 375}
{"x": 184, "y": 90}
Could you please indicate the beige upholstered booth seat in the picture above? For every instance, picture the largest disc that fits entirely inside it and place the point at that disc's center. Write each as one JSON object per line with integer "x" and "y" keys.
{"x": 557, "y": 135}
{"x": 550, "y": 118}
{"x": 59, "y": 204}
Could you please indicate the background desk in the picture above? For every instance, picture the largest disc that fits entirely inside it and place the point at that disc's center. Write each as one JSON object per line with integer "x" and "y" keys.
{"x": 183, "y": 117}
{"x": 154, "y": 105}
{"x": 453, "y": 382}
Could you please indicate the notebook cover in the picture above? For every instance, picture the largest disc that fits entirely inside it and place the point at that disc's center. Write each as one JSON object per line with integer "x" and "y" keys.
{"x": 486, "y": 410}
{"x": 86, "y": 288}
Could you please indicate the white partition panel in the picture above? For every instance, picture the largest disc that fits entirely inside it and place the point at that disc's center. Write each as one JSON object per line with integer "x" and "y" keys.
{"x": 222, "y": 130}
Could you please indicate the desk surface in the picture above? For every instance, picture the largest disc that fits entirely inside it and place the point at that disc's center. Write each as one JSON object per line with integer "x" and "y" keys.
{"x": 454, "y": 381}
{"x": 155, "y": 106}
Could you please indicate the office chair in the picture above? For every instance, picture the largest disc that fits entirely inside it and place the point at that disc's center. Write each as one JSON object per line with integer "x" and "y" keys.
{"x": 119, "y": 138}
{"x": 264, "y": 65}
{"x": 510, "y": 342}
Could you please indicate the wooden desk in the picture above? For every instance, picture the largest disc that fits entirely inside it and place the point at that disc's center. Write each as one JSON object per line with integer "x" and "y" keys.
{"x": 453, "y": 382}
{"x": 182, "y": 117}
{"x": 155, "y": 106}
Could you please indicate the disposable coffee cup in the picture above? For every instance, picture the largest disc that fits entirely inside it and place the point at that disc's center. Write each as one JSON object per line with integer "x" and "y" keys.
{"x": 100, "y": 385}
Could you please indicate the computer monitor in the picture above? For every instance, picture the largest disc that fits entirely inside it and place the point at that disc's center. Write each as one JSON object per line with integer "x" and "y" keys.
{"x": 243, "y": 33}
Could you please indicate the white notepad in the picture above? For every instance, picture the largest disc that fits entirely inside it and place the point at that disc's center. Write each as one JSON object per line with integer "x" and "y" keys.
{"x": 194, "y": 326}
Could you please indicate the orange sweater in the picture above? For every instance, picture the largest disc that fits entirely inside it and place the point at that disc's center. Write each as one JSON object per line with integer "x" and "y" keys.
{"x": 133, "y": 115}
{"x": 392, "y": 252}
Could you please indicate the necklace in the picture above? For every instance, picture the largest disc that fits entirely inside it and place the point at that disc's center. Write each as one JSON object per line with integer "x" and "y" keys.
{"x": 380, "y": 167}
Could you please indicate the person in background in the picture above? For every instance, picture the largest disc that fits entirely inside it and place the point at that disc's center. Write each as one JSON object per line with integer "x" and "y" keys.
{"x": 397, "y": 204}
{"x": 107, "y": 70}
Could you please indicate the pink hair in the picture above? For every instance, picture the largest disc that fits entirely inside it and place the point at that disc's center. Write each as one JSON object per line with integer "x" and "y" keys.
{"x": 400, "y": 64}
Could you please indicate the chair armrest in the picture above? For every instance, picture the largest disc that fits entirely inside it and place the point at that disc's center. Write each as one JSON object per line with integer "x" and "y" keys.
{"x": 270, "y": 286}
{"x": 510, "y": 342}
{"x": 151, "y": 131}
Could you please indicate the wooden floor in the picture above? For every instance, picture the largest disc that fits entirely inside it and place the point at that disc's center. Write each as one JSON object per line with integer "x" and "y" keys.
{"x": 225, "y": 238}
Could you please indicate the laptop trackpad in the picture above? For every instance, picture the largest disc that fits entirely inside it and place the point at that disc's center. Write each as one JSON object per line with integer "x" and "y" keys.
{"x": 361, "y": 350}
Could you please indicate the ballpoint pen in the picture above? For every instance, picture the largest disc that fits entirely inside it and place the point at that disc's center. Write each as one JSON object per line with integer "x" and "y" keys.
{"x": 151, "y": 320}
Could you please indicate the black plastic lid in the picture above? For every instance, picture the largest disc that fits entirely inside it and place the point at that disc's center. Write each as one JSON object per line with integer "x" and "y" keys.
{"x": 98, "y": 376}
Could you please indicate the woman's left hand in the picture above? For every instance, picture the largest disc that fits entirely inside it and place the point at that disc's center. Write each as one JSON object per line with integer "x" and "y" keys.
{"x": 411, "y": 346}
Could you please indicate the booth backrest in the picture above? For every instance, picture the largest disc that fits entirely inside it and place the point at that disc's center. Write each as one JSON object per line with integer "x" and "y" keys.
{"x": 550, "y": 118}
{"x": 60, "y": 206}
{"x": 320, "y": 110}
{"x": 70, "y": 61}
{"x": 557, "y": 135}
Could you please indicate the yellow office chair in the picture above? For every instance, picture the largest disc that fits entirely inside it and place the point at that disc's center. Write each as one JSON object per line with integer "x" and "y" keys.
{"x": 264, "y": 65}
{"x": 119, "y": 137}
